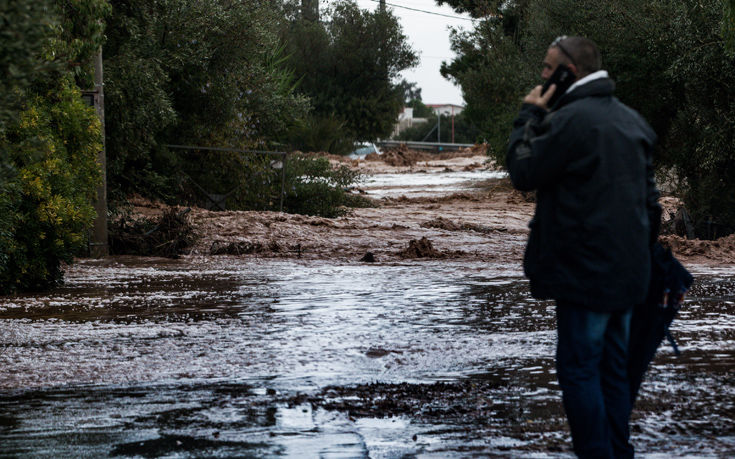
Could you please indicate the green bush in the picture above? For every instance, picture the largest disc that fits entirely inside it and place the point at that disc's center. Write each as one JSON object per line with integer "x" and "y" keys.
{"x": 255, "y": 182}
{"x": 318, "y": 133}
{"x": 314, "y": 187}
{"x": 51, "y": 179}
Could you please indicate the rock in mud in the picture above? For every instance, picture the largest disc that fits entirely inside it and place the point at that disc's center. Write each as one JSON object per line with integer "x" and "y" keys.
{"x": 369, "y": 257}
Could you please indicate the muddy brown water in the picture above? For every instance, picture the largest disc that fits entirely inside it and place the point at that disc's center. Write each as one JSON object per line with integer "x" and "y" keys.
{"x": 246, "y": 357}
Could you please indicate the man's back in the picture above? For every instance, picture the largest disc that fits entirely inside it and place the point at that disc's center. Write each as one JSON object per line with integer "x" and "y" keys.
{"x": 589, "y": 161}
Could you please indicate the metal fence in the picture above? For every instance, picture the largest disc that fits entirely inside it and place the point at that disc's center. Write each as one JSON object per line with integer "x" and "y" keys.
{"x": 431, "y": 146}
{"x": 217, "y": 200}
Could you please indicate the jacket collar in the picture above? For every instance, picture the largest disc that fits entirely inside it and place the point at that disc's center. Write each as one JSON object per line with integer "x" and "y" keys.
{"x": 601, "y": 87}
{"x": 586, "y": 79}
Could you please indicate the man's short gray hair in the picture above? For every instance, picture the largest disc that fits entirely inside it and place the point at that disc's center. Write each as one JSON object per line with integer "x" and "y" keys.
{"x": 583, "y": 53}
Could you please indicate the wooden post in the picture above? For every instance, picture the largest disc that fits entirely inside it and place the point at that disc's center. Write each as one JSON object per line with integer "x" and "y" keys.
{"x": 98, "y": 245}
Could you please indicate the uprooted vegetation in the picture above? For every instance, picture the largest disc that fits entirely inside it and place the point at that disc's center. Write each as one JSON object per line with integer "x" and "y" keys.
{"x": 169, "y": 235}
{"x": 403, "y": 156}
{"x": 445, "y": 224}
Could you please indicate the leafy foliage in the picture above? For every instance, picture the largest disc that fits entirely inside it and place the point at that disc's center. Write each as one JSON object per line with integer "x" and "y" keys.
{"x": 420, "y": 110}
{"x": 316, "y": 188}
{"x": 53, "y": 148}
{"x": 308, "y": 184}
{"x": 208, "y": 73}
{"x": 49, "y": 139}
{"x": 317, "y": 133}
{"x": 493, "y": 68}
{"x": 191, "y": 72}
{"x": 670, "y": 61}
{"x": 347, "y": 67}
{"x": 26, "y": 26}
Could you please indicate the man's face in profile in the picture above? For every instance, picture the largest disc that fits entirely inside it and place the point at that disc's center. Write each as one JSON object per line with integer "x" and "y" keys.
{"x": 551, "y": 62}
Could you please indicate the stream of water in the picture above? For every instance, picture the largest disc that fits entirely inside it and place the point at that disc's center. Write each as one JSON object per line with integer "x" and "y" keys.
{"x": 227, "y": 356}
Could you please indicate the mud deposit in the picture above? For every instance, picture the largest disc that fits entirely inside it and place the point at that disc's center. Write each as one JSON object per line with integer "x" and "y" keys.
{"x": 300, "y": 349}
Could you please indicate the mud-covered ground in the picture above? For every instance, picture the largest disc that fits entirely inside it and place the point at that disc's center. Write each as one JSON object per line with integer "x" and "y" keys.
{"x": 461, "y": 203}
{"x": 295, "y": 347}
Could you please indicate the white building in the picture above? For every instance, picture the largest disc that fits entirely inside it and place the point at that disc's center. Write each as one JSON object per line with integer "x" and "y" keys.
{"x": 406, "y": 119}
{"x": 446, "y": 109}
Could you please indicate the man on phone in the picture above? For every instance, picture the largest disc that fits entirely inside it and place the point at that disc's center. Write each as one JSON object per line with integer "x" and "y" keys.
{"x": 588, "y": 156}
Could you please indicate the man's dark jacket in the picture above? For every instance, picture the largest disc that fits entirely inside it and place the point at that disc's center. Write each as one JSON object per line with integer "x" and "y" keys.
{"x": 596, "y": 202}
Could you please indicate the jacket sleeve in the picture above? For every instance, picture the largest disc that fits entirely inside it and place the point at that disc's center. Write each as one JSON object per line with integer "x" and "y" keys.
{"x": 538, "y": 147}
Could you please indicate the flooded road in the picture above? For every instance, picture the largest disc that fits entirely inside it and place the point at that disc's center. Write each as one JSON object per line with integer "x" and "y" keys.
{"x": 233, "y": 356}
{"x": 326, "y": 356}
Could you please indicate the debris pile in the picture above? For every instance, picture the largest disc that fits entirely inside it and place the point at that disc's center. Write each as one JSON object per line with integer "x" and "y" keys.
{"x": 220, "y": 247}
{"x": 445, "y": 224}
{"x": 719, "y": 249}
{"x": 422, "y": 248}
{"x": 404, "y": 156}
{"x": 169, "y": 235}
{"x": 401, "y": 156}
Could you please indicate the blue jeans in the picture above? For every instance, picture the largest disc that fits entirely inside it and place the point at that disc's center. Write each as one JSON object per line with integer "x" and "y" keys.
{"x": 591, "y": 364}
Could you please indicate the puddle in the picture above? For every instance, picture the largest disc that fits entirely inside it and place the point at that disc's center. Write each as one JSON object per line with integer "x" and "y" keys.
{"x": 226, "y": 356}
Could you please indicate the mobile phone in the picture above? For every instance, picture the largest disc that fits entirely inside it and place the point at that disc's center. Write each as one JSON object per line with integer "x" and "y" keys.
{"x": 563, "y": 79}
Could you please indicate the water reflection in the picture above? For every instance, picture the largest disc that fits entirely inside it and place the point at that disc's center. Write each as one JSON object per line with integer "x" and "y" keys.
{"x": 421, "y": 184}
{"x": 209, "y": 356}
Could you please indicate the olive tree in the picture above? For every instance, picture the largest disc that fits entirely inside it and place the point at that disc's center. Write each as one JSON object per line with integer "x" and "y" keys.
{"x": 670, "y": 59}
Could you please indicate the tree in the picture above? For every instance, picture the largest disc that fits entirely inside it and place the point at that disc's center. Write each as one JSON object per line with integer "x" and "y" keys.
{"x": 348, "y": 68}
{"x": 670, "y": 62}
{"x": 411, "y": 91}
{"x": 199, "y": 72}
{"x": 728, "y": 26}
{"x": 49, "y": 139}
{"x": 420, "y": 110}
{"x": 492, "y": 66}
{"x": 26, "y": 27}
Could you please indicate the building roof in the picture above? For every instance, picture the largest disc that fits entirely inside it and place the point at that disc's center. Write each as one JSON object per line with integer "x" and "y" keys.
{"x": 444, "y": 105}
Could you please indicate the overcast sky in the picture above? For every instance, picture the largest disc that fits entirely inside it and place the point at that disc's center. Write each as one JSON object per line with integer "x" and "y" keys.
{"x": 428, "y": 34}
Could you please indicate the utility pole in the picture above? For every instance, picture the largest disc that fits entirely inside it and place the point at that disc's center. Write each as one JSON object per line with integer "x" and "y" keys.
{"x": 382, "y": 6}
{"x": 438, "y": 126}
{"x": 98, "y": 245}
{"x": 310, "y": 10}
{"x": 452, "y": 123}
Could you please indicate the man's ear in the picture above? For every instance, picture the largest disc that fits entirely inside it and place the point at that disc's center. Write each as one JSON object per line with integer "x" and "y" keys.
{"x": 574, "y": 70}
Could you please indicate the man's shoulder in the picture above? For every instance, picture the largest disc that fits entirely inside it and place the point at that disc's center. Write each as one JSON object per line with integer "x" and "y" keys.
{"x": 591, "y": 108}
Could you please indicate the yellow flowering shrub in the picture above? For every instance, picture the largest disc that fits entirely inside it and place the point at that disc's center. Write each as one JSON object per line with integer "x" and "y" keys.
{"x": 50, "y": 179}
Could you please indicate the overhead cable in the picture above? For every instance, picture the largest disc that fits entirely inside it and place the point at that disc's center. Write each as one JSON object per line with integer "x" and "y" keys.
{"x": 424, "y": 11}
